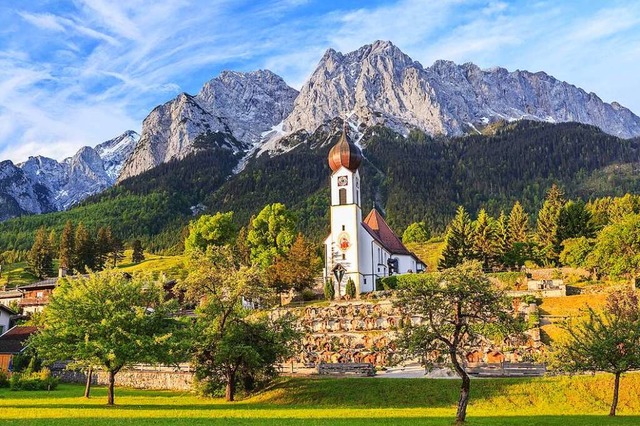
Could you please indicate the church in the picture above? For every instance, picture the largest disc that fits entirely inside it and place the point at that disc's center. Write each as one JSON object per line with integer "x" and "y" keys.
{"x": 363, "y": 250}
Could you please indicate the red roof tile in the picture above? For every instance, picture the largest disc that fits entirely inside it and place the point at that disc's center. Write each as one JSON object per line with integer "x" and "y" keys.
{"x": 375, "y": 224}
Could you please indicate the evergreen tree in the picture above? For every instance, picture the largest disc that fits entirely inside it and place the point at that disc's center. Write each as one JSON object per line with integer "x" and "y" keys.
{"x": 503, "y": 240}
{"x": 53, "y": 244}
{"x": 67, "y": 247}
{"x": 103, "y": 247}
{"x": 40, "y": 256}
{"x": 548, "y": 225}
{"x": 458, "y": 241}
{"x": 575, "y": 221}
{"x": 84, "y": 250}
{"x": 138, "y": 252}
{"x": 117, "y": 251}
{"x": 484, "y": 240}
{"x": 518, "y": 224}
{"x": 350, "y": 289}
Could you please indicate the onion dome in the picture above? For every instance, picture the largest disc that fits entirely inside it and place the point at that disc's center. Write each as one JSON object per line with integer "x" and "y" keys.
{"x": 344, "y": 154}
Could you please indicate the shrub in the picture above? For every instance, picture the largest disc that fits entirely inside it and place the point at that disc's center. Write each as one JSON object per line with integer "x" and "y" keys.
{"x": 41, "y": 380}
{"x": 308, "y": 295}
{"x": 350, "y": 290}
{"x": 329, "y": 290}
{"x": 399, "y": 281}
{"x": 4, "y": 380}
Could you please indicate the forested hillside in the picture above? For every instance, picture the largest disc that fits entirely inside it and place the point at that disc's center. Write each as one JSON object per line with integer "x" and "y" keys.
{"x": 411, "y": 179}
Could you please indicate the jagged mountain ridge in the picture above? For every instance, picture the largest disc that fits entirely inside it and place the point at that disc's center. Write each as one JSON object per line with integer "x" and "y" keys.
{"x": 237, "y": 108}
{"x": 379, "y": 84}
{"x": 42, "y": 185}
{"x": 376, "y": 85}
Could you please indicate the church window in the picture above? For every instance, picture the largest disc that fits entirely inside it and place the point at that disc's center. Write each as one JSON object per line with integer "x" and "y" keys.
{"x": 342, "y": 194}
{"x": 343, "y": 227}
{"x": 344, "y": 256}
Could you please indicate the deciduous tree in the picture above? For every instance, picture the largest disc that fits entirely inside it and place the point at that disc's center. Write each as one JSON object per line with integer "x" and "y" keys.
{"x": 272, "y": 233}
{"x": 109, "y": 321}
{"x": 216, "y": 230}
{"x": 417, "y": 232}
{"x": 456, "y": 305}
{"x": 608, "y": 341}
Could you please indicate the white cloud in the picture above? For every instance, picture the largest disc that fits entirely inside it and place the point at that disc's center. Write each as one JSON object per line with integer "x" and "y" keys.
{"x": 79, "y": 75}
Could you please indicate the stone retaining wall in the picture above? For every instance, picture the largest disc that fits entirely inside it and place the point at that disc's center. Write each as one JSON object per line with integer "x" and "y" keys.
{"x": 159, "y": 380}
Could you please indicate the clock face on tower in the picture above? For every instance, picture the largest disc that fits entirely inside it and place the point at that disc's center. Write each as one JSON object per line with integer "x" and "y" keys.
{"x": 343, "y": 180}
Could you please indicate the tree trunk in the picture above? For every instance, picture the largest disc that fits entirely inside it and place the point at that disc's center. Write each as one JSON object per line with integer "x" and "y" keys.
{"x": 112, "y": 382}
{"x": 463, "y": 401}
{"x": 87, "y": 387}
{"x": 616, "y": 388}
{"x": 231, "y": 386}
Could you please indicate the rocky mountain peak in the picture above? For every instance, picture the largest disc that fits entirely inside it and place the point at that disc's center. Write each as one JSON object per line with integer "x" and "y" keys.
{"x": 41, "y": 184}
{"x": 241, "y": 105}
{"x": 379, "y": 84}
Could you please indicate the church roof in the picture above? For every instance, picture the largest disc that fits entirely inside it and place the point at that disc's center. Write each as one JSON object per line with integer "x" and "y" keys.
{"x": 375, "y": 224}
{"x": 344, "y": 154}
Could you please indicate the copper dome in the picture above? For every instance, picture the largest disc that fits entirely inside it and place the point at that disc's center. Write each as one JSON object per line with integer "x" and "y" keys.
{"x": 344, "y": 154}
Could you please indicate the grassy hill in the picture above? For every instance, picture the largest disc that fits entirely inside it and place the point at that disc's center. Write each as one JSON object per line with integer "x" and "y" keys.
{"x": 562, "y": 401}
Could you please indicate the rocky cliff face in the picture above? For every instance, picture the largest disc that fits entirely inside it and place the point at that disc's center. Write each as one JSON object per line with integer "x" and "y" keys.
{"x": 41, "y": 184}
{"x": 239, "y": 107}
{"x": 378, "y": 84}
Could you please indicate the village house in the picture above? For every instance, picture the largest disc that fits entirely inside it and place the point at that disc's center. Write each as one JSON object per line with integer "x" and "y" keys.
{"x": 36, "y": 296}
{"x": 12, "y": 343}
{"x": 10, "y": 298}
{"x": 6, "y": 315}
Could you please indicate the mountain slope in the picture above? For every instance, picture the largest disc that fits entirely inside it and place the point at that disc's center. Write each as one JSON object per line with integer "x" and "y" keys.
{"x": 410, "y": 178}
{"x": 378, "y": 84}
{"x": 41, "y": 184}
{"x": 238, "y": 107}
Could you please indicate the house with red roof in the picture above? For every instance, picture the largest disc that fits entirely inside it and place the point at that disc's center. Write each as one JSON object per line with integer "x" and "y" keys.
{"x": 363, "y": 250}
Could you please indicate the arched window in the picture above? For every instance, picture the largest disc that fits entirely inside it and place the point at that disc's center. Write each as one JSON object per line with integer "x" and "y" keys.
{"x": 342, "y": 194}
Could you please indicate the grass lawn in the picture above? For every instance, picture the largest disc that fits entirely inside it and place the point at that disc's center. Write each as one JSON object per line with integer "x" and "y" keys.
{"x": 16, "y": 274}
{"x": 351, "y": 401}
{"x": 171, "y": 266}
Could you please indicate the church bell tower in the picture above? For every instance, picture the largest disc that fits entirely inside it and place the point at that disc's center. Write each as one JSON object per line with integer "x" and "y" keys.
{"x": 346, "y": 214}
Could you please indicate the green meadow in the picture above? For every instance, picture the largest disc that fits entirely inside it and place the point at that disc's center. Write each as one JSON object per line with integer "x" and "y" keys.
{"x": 565, "y": 401}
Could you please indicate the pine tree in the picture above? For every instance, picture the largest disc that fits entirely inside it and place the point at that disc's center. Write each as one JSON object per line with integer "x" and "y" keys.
{"x": 138, "y": 253}
{"x": 53, "y": 244}
{"x": 518, "y": 224}
{"x": 547, "y": 226}
{"x": 84, "y": 250}
{"x": 484, "y": 240}
{"x": 575, "y": 221}
{"x": 67, "y": 247}
{"x": 103, "y": 247}
{"x": 117, "y": 251}
{"x": 458, "y": 241}
{"x": 40, "y": 256}
{"x": 503, "y": 240}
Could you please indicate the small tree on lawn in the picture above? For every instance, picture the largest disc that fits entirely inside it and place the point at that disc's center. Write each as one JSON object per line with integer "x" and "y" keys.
{"x": 109, "y": 321}
{"x": 608, "y": 341}
{"x": 456, "y": 304}
{"x": 231, "y": 343}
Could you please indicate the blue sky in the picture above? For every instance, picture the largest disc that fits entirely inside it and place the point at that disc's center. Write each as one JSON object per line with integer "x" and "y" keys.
{"x": 76, "y": 73}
